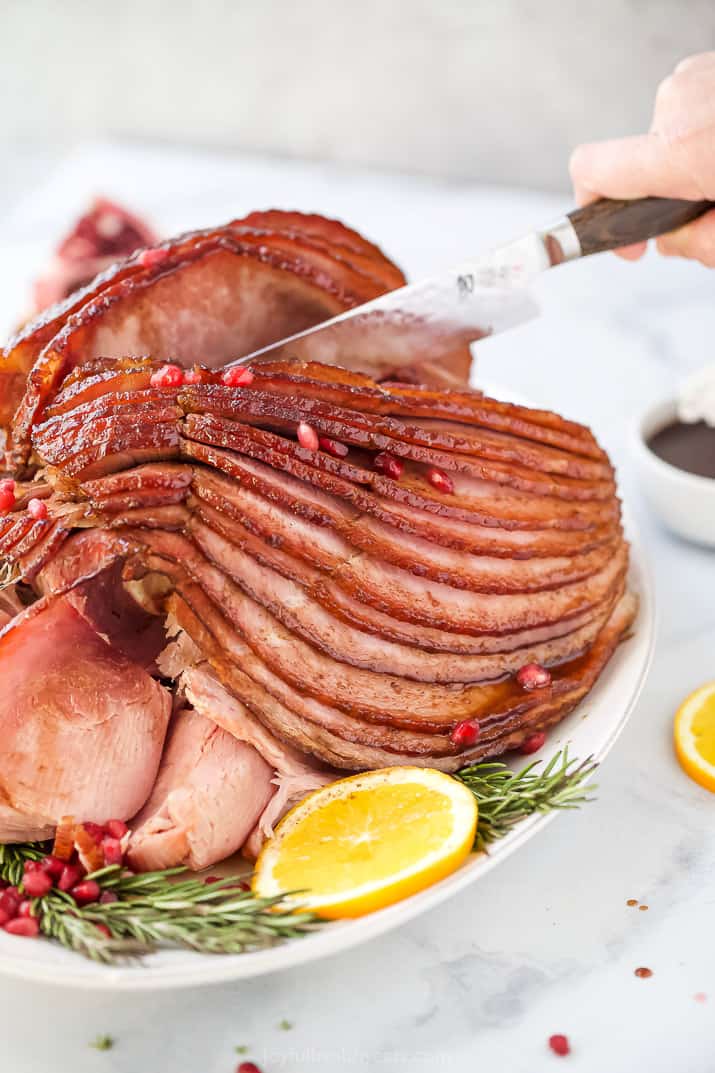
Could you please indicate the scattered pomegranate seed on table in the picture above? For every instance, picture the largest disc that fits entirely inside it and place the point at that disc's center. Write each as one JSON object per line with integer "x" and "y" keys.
{"x": 559, "y": 1044}
{"x": 248, "y": 1067}
{"x": 333, "y": 447}
{"x": 167, "y": 376}
{"x": 307, "y": 436}
{"x": 389, "y": 465}
{"x": 533, "y": 676}
{"x": 643, "y": 973}
{"x": 465, "y": 733}
{"x": 37, "y": 509}
{"x": 533, "y": 743}
{"x": 440, "y": 480}
{"x": 238, "y": 376}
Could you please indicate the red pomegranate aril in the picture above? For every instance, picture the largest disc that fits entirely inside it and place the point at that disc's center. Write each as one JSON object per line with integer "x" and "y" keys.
{"x": 333, "y": 447}
{"x": 52, "y": 865}
{"x": 10, "y": 900}
{"x": 440, "y": 480}
{"x": 167, "y": 376}
{"x": 193, "y": 376}
{"x": 307, "y": 436}
{"x": 71, "y": 875}
{"x": 559, "y": 1044}
{"x": 25, "y": 908}
{"x": 389, "y": 465}
{"x": 104, "y": 930}
{"x": 237, "y": 376}
{"x": 32, "y": 866}
{"x": 248, "y": 1067}
{"x": 112, "y": 848}
{"x": 37, "y": 884}
{"x": 107, "y": 897}
{"x": 116, "y": 828}
{"x": 533, "y": 676}
{"x": 37, "y": 509}
{"x": 87, "y": 892}
{"x": 151, "y": 258}
{"x": 465, "y": 733}
{"x": 5, "y": 916}
{"x": 7, "y": 496}
{"x": 533, "y": 743}
{"x": 28, "y": 927}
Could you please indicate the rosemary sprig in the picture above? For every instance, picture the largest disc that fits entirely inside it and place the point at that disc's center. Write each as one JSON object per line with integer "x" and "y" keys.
{"x": 506, "y": 797}
{"x": 168, "y": 908}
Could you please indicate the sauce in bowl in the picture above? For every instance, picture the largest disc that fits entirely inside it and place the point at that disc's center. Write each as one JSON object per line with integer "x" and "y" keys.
{"x": 689, "y": 446}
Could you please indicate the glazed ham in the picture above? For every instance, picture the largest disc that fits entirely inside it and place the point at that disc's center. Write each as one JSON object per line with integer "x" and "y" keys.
{"x": 334, "y": 570}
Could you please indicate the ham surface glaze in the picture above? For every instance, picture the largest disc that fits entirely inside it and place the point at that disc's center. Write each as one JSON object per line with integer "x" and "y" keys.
{"x": 332, "y": 568}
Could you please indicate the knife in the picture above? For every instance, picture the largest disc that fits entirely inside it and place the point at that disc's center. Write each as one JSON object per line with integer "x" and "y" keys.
{"x": 437, "y": 318}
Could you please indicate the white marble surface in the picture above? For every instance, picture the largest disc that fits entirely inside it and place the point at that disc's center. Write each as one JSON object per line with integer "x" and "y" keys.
{"x": 545, "y": 943}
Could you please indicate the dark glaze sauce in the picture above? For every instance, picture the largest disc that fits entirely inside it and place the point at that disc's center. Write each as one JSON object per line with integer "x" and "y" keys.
{"x": 690, "y": 447}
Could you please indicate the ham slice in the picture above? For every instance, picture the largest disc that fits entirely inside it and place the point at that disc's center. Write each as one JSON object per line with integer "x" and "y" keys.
{"x": 210, "y": 791}
{"x": 81, "y": 726}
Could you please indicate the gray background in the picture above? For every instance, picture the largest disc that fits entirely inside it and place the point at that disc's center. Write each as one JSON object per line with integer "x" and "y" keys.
{"x": 485, "y": 90}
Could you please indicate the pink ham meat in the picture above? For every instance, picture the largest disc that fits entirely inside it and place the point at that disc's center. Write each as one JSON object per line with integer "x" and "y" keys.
{"x": 295, "y": 775}
{"x": 82, "y": 726}
{"x": 210, "y": 792}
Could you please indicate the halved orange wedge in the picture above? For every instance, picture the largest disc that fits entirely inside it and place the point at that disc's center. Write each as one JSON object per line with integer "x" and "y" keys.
{"x": 367, "y": 841}
{"x": 694, "y": 733}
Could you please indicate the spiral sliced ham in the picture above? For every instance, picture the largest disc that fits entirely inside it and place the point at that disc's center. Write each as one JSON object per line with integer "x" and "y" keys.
{"x": 324, "y": 611}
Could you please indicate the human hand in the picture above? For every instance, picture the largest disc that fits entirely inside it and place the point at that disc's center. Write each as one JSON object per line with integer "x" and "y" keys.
{"x": 675, "y": 159}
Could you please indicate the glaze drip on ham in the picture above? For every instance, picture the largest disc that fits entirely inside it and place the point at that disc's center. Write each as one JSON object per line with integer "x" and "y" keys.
{"x": 323, "y": 612}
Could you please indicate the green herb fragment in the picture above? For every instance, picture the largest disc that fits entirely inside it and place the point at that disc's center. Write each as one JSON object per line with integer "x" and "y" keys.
{"x": 243, "y": 1049}
{"x": 285, "y": 1026}
{"x": 506, "y": 797}
{"x": 102, "y": 1043}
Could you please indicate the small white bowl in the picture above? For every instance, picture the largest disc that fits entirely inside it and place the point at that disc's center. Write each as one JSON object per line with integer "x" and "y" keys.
{"x": 685, "y": 502}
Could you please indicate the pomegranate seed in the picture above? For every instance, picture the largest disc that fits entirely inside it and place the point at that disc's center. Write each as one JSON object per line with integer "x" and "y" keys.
{"x": 389, "y": 465}
{"x": 86, "y": 892}
{"x": 333, "y": 447}
{"x": 28, "y": 927}
{"x": 4, "y": 917}
{"x": 25, "y": 908}
{"x": 212, "y": 879}
{"x": 307, "y": 436}
{"x": 193, "y": 376}
{"x": 533, "y": 676}
{"x": 113, "y": 853}
{"x": 53, "y": 866}
{"x": 465, "y": 733}
{"x": 440, "y": 480}
{"x": 533, "y": 744}
{"x": 7, "y": 484}
{"x": 108, "y": 896}
{"x": 104, "y": 930}
{"x": 37, "y": 509}
{"x": 116, "y": 828}
{"x": 559, "y": 1045}
{"x": 151, "y": 258}
{"x": 167, "y": 376}
{"x": 37, "y": 884}
{"x": 237, "y": 376}
{"x": 7, "y": 496}
{"x": 3, "y": 885}
{"x": 243, "y": 885}
{"x": 71, "y": 875}
{"x": 248, "y": 1067}
{"x": 31, "y": 866}
{"x": 10, "y": 902}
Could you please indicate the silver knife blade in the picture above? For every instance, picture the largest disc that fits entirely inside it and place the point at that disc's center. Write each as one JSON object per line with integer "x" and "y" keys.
{"x": 426, "y": 321}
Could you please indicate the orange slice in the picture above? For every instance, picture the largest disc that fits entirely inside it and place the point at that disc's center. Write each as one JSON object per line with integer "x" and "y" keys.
{"x": 365, "y": 842}
{"x": 694, "y": 733}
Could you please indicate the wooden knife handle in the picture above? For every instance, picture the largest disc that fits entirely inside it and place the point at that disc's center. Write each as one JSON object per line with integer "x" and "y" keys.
{"x": 607, "y": 225}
